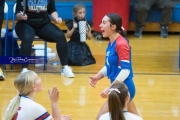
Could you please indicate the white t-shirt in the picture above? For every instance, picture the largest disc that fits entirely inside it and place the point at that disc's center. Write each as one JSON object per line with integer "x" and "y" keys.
{"x": 127, "y": 115}
{"x": 30, "y": 110}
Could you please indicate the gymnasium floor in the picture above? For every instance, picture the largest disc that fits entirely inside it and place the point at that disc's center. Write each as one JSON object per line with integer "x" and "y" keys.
{"x": 156, "y": 76}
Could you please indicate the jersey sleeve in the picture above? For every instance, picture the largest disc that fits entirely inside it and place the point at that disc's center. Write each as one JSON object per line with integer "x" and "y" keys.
{"x": 105, "y": 116}
{"x": 40, "y": 113}
{"x": 123, "y": 51}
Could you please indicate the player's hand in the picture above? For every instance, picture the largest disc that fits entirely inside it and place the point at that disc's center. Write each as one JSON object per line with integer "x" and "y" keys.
{"x": 54, "y": 94}
{"x": 104, "y": 93}
{"x": 93, "y": 80}
{"x": 58, "y": 20}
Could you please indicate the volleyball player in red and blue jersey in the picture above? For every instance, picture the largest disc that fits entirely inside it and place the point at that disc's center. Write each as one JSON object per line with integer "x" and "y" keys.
{"x": 118, "y": 59}
{"x": 118, "y": 67}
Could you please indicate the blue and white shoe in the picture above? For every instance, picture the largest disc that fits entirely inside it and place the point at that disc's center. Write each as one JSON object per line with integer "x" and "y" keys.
{"x": 67, "y": 72}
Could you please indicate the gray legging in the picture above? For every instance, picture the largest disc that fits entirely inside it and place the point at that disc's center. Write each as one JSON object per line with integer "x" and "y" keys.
{"x": 143, "y": 6}
{"x": 48, "y": 32}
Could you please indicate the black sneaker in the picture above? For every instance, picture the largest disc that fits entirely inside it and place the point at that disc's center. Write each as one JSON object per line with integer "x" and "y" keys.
{"x": 164, "y": 32}
{"x": 138, "y": 32}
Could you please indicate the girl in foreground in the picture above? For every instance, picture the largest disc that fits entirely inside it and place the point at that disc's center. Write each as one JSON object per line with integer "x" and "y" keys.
{"x": 23, "y": 106}
{"x": 117, "y": 102}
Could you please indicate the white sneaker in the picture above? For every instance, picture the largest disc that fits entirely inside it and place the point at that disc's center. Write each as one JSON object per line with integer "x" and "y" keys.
{"x": 67, "y": 71}
{"x": 2, "y": 77}
{"x": 24, "y": 70}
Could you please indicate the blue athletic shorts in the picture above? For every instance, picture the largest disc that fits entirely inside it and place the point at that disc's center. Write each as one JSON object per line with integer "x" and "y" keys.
{"x": 131, "y": 87}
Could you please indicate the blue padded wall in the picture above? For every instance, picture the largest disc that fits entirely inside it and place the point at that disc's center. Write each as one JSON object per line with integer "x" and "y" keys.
{"x": 176, "y": 13}
{"x": 65, "y": 11}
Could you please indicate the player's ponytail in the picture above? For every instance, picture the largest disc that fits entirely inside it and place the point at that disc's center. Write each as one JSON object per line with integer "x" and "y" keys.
{"x": 12, "y": 108}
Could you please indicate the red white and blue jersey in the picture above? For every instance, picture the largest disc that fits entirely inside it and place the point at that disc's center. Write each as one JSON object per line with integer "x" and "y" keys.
{"x": 30, "y": 110}
{"x": 127, "y": 115}
{"x": 118, "y": 57}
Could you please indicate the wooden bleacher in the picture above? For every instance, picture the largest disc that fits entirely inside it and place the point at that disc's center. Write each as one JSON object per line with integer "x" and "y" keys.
{"x": 150, "y": 26}
{"x": 154, "y": 27}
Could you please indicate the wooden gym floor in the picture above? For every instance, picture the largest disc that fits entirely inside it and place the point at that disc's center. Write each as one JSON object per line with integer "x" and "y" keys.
{"x": 156, "y": 76}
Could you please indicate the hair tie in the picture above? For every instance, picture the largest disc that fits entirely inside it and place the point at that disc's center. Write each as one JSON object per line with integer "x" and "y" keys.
{"x": 122, "y": 28}
{"x": 113, "y": 89}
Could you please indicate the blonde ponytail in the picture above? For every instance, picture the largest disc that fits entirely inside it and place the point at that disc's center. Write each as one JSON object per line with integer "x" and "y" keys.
{"x": 12, "y": 108}
{"x": 23, "y": 84}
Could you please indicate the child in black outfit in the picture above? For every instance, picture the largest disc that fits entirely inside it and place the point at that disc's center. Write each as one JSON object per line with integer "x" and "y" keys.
{"x": 79, "y": 53}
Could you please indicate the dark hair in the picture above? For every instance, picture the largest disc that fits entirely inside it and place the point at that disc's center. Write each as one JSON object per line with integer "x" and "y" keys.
{"x": 116, "y": 101}
{"x": 115, "y": 19}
